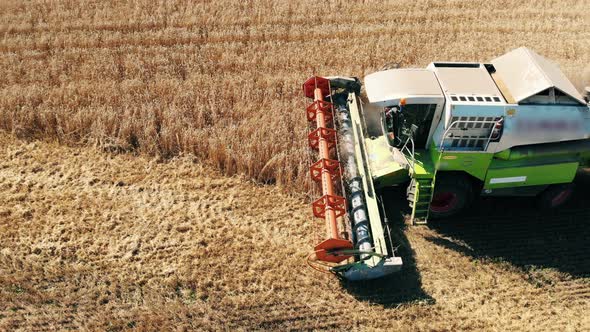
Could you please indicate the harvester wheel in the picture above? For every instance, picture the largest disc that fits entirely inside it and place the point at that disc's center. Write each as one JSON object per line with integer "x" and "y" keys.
{"x": 452, "y": 193}
{"x": 555, "y": 196}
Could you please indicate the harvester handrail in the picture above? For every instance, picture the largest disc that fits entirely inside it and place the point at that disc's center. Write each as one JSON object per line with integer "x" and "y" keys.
{"x": 446, "y": 133}
{"x": 411, "y": 151}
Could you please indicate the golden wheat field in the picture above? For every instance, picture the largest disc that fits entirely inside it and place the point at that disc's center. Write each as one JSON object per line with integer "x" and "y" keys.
{"x": 153, "y": 170}
{"x": 221, "y": 79}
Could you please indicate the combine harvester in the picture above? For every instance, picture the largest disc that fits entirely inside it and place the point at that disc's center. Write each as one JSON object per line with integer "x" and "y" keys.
{"x": 513, "y": 127}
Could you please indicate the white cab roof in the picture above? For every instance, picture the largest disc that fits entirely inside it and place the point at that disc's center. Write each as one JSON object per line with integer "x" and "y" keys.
{"x": 526, "y": 73}
{"x": 394, "y": 84}
{"x": 469, "y": 79}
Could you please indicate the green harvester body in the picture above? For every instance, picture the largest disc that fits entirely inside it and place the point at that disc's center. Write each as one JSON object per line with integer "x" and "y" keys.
{"x": 513, "y": 127}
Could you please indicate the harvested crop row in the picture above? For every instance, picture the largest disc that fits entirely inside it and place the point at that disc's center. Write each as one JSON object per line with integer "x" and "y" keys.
{"x": 221, "y": 79}
{"x": 96, "y": 241}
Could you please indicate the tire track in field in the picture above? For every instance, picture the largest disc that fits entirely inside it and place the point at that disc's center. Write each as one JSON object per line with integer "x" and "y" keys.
{"x": 337, "y": 36}
{"x": 328, "y": 19}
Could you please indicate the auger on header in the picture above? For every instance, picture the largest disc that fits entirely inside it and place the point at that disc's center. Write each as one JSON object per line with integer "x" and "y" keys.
{"x": 351, "y": 246}
{"x": 325, "y": 171}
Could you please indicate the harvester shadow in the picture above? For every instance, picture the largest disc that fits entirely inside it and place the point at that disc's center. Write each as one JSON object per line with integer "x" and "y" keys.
{"x": 401, "y": 287}
{"x": 513, "y": 230}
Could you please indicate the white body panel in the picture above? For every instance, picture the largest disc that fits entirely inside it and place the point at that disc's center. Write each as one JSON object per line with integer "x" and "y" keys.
{"x": 468, "y": 92}
{"x": 386, "y": 88}
{"x": 526, "y": 73}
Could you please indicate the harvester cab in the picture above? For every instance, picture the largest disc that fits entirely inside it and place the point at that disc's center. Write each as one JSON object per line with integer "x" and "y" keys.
{"x": 451, "y": 131}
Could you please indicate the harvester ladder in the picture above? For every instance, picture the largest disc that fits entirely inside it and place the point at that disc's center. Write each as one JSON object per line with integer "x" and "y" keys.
{"x": 421, "y": 188}
{"x": 419, "y": 196}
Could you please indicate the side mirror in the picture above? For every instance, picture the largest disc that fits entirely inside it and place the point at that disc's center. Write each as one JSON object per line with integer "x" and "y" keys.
{"x": 587, "y": 94}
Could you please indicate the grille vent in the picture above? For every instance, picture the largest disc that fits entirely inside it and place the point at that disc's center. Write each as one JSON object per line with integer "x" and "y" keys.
{"x": 478, "y": 99}
{"x": 469, "y": 135}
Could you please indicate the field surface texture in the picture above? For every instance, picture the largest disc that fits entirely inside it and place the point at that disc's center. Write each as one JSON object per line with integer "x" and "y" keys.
{"x": 135, "y": 136}
{"x": 97, "y": 241}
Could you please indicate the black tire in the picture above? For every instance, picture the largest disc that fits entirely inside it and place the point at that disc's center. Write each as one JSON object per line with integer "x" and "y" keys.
{"x": 452, "y": 194}
{"x": 555, "y": 196}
